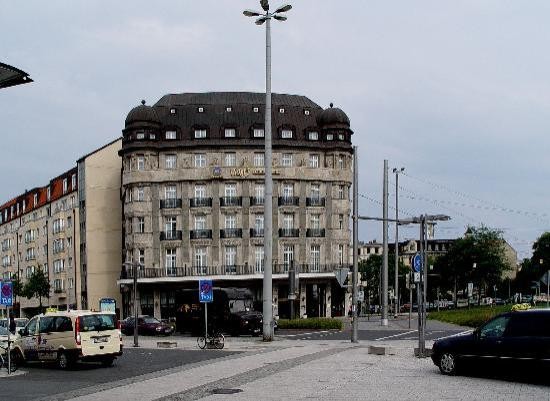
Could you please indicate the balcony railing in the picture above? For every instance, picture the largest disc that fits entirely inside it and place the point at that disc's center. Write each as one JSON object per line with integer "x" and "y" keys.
{"x": 256, "y": 232}
{"x": 190, "y": 271}
{"x": 316, "y": 201}
{"x": 289, "y": 201}
{"x": 171, "y": 203}
{"x": 200, "y": 234}
{"x": 289, "y": 232}
{"x": 200, "y": 202}
{"x": 231, "y": 233}
{"x": 175, "y": 235}
{"x": 231, "y": 201}
{"x": 315, "y": 232}
{"x": 257, "y": 201}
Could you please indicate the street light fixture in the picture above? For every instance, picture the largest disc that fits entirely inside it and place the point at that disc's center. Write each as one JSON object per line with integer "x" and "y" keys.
{"x": 267, "y": 308}
{"x": 397, "y": 171}
{"x": 135, "y": 266}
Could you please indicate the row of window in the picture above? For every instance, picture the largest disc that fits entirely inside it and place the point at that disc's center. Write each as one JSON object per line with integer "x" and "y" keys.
{"x": 170, "y": 161}
{"x": 229, "y": 109}
{"x": 58, "y": 246}
{"x": 21, "y": 207}
{"x": 137, "y": 194}
{"x": 31, "y": 235}
{"x": 200, "y": 256}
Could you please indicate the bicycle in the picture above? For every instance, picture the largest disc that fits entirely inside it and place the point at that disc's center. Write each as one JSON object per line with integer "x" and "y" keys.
{"x": 215, "y": 341}
{"x": 4, "y": 358}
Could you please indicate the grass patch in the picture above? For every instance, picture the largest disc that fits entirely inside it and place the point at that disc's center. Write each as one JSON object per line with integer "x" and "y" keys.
{"x": 315, "y": 323}
{"x": 473, "y": 317}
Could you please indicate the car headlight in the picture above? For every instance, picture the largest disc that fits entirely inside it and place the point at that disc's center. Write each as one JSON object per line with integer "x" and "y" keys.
{"x": 158, "y": 329}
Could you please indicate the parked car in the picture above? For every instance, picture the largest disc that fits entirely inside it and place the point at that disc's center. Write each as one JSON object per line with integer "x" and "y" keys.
{"x": 147, "y": 325}
{"x": 20, "y": 322}
{"x": 517, "y": 337}
{"x": 245, "y": 322}
{"x": 68, "y": 337}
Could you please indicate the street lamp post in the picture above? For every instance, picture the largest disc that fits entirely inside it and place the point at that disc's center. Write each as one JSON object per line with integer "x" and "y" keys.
{"x": 396, "y": 172}
{"x": 266, "y": 17}
{"x": 135, "y": 266}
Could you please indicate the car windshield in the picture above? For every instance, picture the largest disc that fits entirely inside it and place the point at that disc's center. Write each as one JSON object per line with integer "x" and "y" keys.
{"x": 21, "y": 322}
{"x": 97, "y": 322}
{"x": 150, "y": 319}
{"x": 3, "y": 331}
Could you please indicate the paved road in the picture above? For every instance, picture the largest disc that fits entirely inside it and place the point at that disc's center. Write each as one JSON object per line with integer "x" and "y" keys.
{"x": 44, "y": 381}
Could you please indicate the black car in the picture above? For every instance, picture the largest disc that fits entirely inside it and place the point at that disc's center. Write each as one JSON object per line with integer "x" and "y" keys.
{"x": 521, "y": 338}
{"x": 146, "y": 325}
{"x": 245, "y": 322}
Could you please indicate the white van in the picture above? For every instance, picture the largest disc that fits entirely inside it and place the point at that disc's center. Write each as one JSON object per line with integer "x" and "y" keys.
{"x": 68, "y": 337}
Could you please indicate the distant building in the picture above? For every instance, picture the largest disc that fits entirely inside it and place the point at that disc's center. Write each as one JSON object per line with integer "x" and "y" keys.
{"x": 193, "y": 195}
{"x": 75, "y": 243}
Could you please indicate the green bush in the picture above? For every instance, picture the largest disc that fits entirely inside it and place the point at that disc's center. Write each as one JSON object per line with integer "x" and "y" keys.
{"x": 316, "y": 323}
{"x": 473, "y": 317}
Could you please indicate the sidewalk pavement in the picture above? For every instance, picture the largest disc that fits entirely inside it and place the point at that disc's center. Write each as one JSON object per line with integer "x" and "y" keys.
{"x": 307, "y": 370}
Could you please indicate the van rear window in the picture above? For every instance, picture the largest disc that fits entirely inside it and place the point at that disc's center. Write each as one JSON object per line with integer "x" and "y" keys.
{"x": 97, "y": 322}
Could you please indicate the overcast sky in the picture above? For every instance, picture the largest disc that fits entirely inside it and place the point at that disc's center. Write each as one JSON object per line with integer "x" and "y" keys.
{"x": 457, "y": 92}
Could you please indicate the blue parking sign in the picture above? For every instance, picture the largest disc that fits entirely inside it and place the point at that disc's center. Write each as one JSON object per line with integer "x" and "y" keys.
{"x": 417, "y": 263}
{"x": 206, "y": 293}
{"x": 6, "y": 293}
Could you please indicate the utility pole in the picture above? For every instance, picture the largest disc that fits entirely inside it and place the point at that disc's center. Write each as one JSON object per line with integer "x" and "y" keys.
{"x": 419, "y": 298}
{"x": 396, "y": 288}
{"x": 354, "y": 336}
{"x": 425, "y": 271}
{"x": 384, "y": 317}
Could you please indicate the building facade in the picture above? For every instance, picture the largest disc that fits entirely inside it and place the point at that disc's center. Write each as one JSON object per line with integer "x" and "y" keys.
{"x": 193, "y": 194}
{"x": 77, "y": 246}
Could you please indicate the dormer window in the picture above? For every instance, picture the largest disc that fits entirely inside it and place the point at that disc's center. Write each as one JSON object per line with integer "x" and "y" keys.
{"x": 330, "y": 137}
{"x": 200, "y": 109}
{"x": 286, "y": 134}
{"x": 171, "y": 135}
{"x": 152, "y": 136}
{"x": 306, "y": 112}
{"x": 73, "y": 182}
{"x": 35, "y": 200}
{"x": 281, "y": 110}
{"x": 255, "y": 109}
{"x": 313, "y": 136}
{"x": 230, "y": 133}
{"x": 140, "y": 135}
{"x": 258, "y": 133}
{"x": 65, "y": 186}
{"x": 341, "y": 137}
{"x": 228, "y": 109}
{"x": 48, "y": 194}
{"x": 172, "y": 111}
{"x": 200, "y": 133}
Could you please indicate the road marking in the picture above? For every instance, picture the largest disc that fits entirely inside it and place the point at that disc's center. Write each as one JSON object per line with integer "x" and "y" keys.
{"x": 453, "y": 335}
{"x": 395, "y": 335}
{"x": 307, "y": 334}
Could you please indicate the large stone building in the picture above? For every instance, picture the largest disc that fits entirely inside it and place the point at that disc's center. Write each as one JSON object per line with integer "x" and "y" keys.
{"x": 70, "y": 229}
{"x": 193, "y": 194}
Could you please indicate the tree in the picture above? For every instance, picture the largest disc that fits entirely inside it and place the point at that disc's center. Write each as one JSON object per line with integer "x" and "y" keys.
{"x": 37, "y": 286}
{"x": 17, "y": 288}
{"x": 541, "y": 253}
{"x": 480, "y": 247}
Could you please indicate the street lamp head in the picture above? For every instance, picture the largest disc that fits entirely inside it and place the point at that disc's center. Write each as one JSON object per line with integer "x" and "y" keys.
{"x": 265, "y": 4}
{"x": 283, "y": 9}
{"x": 251, "y": 13}
{"x": 261, "y": 20}
{"x": 280, "y": 18}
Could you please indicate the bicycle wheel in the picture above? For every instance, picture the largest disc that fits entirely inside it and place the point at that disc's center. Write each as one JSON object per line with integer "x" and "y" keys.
{"x": 219, "y": 341}
{"x": 201, "y": 342}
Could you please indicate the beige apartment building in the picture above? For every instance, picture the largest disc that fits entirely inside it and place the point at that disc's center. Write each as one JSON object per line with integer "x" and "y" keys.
{"x": 193, "y": 194}
{"x": 77, "y": 247}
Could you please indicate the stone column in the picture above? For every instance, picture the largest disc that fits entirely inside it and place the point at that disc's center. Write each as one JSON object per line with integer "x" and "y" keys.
{"x": 303, "y": 300}
{"x": 156, "y": 304}
{"x": 328, "y": 299}
{"x": 275, "y": 301}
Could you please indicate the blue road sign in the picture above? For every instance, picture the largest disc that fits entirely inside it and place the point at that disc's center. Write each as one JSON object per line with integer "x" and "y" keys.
{"x": 6, "y": 293}
{"x": 417, "y": 262}
{"x": 206, "y": 293}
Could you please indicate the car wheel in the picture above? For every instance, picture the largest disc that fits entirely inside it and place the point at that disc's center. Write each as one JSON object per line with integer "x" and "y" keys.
{"x": 447, "y": 364}
{"x": 63, "y": 361}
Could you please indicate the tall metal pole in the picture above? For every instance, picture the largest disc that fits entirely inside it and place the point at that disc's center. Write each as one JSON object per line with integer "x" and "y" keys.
{"x": 268, "y": 203}
{"x": 354, "y": 336}
{"x": 396, "y": 288}
{"x": 384, "y": 317}
{"x": 419, "y": 297}
{"x": 135, "y": 270}
{"x": 426, "y": 272}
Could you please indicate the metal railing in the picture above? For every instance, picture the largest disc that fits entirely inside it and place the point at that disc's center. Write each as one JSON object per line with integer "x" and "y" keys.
{"x": 315, "y": 232}
{"x": 289, "y": 232}
{"x": 289, "y": 201}
{"x": 200, "y": 202}
{"x": 315, "y": 201}
{"x": 231, "y": 201}
{"x": 175, "y": 235}
{"x": 200, "y": 234}
{"x": 171, "y": 203}
{"x": 231, "y": 233}
{"x": 256, "y": 232}
{"x": 257, "y": 201}
{"x": 190, "y": 271}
